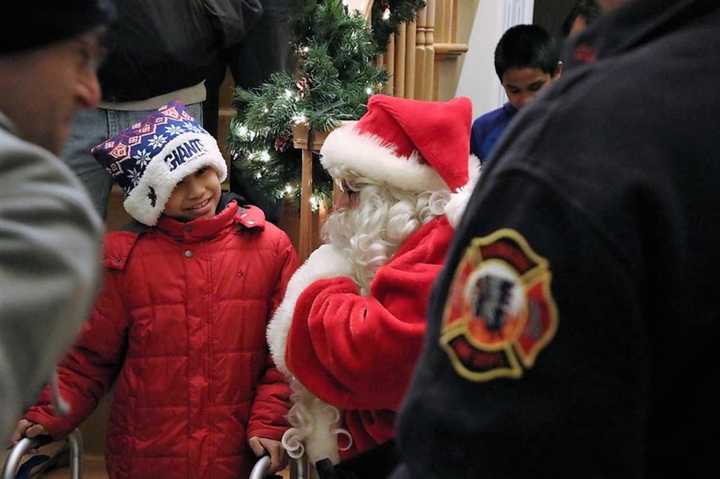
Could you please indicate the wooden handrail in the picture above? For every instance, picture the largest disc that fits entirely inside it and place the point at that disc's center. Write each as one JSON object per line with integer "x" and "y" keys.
{"x": 411, "y": 60}
{"x": 450, "y": 49}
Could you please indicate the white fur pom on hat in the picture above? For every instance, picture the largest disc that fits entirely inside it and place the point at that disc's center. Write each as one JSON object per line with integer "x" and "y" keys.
{"x": 151, "y": 157}
{"x": 412, "y": 145}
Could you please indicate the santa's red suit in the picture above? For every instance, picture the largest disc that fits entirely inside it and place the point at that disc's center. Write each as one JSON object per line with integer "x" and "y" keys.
{"x": 356, "y": 352}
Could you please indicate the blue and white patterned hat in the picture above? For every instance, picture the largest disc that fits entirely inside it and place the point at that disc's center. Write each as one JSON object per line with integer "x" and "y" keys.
{"x": 151, "y": 157}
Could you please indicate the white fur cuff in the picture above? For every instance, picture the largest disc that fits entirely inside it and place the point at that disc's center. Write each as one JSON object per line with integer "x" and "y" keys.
{"x": 325, "y": 262}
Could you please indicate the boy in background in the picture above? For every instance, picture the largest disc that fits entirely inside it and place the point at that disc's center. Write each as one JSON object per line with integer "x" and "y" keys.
{"x": 526, "y": 60}
{"x": 179, "y": 328}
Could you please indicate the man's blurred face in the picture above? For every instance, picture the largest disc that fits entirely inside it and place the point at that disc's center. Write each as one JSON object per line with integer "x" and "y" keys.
{"x": 45, "y": 88}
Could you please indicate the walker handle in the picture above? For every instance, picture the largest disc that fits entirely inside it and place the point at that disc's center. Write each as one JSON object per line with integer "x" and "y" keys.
{"x": 260, "y": 469}
{"x": 12, "y": 463}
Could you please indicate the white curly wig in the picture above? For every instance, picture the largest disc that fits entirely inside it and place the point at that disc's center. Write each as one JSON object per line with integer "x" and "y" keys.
{"x": 384, "y": 216}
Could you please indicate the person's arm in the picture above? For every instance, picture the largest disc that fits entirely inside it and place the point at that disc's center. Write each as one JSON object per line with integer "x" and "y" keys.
{"x": 271, "y": 401}
{"x": 578, "y": 397}
{"x": 272, "y": 396}
{"x": 265, "y": 49}
{"x": 89, "y": 369}
{"x": 268, "y": 415}
{"x": 233, "y": 19}
{"x": 477, "y": 136}
{"x": 49, "y": 265}
{"x": 358, "y": 352}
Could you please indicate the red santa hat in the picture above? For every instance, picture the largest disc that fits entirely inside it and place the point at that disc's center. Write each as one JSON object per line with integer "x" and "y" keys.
{"x": 412, "y": 145}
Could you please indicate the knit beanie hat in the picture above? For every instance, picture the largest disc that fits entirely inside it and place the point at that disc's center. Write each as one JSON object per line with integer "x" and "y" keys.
{"x": 151, "y": 157}
{"x": 412, "y": 145}
{"x": 50, "y": 21}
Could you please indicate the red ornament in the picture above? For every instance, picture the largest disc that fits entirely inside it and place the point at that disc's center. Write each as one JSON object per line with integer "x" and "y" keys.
{"x": 282, "y": 143}
{"x": 302, "y": 86}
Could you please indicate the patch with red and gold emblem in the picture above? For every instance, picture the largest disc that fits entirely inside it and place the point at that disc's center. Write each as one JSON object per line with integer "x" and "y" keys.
{"x": 499, "y": 312}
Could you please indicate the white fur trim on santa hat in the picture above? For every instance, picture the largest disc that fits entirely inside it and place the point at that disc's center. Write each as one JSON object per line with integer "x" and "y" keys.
{"x": 459, "y": 200}
{"x": 158, "y": 180}
{"x": 371, "y": 157}
{"x": 325, "y": 262}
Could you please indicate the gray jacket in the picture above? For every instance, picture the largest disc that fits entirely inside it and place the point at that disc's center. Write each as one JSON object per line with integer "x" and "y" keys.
{"x": 49, "y": 267}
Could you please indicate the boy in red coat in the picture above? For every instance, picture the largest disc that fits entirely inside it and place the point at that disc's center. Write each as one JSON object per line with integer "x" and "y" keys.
{"x": 179, "y": 328}
{"x": 352, "y": 323}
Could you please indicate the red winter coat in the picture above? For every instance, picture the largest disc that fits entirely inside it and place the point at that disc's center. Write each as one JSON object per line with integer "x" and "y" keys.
{"x": 180, "y": 330}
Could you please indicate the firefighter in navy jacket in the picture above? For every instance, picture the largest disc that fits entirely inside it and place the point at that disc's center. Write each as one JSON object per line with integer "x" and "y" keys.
{"x": 572, "y": 332}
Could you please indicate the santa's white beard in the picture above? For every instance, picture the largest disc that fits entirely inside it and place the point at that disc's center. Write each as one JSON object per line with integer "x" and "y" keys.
{"x": 371, "y": 232}
{"x": 368, "y": 234}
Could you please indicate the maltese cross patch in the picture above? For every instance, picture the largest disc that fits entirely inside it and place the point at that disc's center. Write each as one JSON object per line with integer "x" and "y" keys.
{"x": 499, "y": 312}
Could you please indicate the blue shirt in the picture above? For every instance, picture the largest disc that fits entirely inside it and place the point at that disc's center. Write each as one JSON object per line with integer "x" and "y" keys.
{"x": 487, "y": 129}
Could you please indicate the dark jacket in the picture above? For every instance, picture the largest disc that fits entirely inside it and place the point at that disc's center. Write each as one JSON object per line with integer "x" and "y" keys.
{"x": 601, "y": 217}
{"x": 49, "y": 270}
{"x": 156, "y": 47}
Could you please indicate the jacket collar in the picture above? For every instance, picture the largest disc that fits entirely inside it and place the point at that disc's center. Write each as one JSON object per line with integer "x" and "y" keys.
{"x": 124, "y": 241}
{"x": 206, "y": 228}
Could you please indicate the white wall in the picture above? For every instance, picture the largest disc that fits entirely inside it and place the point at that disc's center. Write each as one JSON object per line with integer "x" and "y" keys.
{"x": 477, "y": 77}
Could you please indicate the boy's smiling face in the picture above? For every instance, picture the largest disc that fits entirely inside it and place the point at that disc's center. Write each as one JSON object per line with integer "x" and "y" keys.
{"x": 196, "y": 196}
{"x": 522, "y": 84}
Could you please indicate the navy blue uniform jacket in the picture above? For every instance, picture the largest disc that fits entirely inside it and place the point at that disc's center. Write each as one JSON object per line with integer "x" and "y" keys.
{"x": 606, "y": 340}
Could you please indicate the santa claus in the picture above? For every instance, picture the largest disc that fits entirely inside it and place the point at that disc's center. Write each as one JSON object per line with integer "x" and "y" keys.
{"x": 351, "y": 325}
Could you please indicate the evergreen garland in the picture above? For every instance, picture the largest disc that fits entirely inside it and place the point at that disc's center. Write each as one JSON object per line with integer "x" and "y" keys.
{"x": 335, "y": 74}
{"x": 387, "y": 15}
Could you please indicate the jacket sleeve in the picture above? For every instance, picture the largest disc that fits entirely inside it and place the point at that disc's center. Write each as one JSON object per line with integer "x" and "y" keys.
{"x": 89, "y": 369}
{"x": 49, "y": 269}
{"x": 232, "y": 19}
{"x": 265, "y": 50}
{"x": 583, "y": 387}
{"x": 477, "y": 135}
{"x": 358, "y": 352}
{"x": 272, "y": 395}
